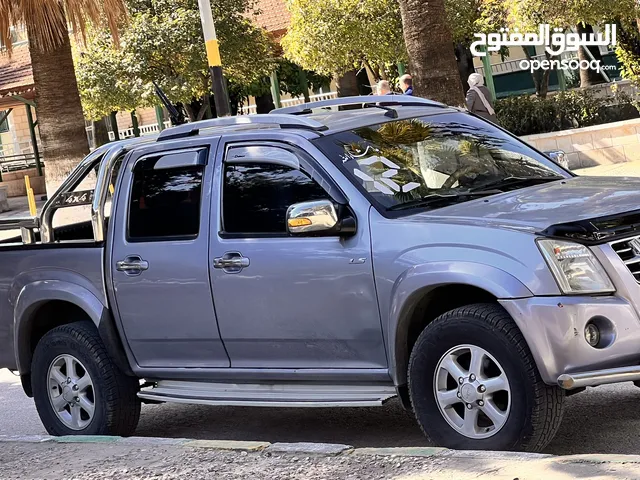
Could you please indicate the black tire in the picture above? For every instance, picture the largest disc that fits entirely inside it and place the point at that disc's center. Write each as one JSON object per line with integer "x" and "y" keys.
{"x": 117, "y": 407}
{"x": 536, "y": 408}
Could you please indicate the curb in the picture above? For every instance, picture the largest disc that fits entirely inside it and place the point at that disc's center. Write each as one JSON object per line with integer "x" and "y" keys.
{"x": 323, "y": 449}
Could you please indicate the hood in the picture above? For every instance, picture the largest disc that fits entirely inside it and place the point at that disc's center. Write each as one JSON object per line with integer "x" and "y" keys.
{"x": 582, "y": 201}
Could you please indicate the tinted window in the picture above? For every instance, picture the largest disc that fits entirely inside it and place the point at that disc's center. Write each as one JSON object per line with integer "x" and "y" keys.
{"x": 446, "y": 158}
{"x": 165, "y": 203}
{"x": 256, "y": 196}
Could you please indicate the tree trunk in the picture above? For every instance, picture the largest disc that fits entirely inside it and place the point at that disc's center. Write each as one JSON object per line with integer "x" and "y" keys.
{"x": 429, "y": 44}
{"x": 60, "y": 119}
{"x": 264, "y": 103}
{"x": 540, "y": 77}
{"x": 347, "y": 84}
{"x": 364, "y": 87}
{"x": 100, "y": 132}
{"x": 464, "y": 57}
{"x": 588, "y": 76}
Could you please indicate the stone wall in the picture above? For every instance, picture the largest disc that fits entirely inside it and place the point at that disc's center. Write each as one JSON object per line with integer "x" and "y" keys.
{"x": 617, "y": 142}
{"x": 14, "y": 182}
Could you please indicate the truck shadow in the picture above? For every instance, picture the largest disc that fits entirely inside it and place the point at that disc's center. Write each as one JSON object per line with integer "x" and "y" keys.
{"x": 600, "y": 420}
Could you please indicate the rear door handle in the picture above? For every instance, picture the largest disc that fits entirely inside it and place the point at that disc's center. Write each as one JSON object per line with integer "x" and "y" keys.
{"x": 231, "y": 262}
{"x": 132, "y": 265}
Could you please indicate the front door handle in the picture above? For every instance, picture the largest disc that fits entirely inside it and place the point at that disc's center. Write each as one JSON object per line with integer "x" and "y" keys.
{"x": 132, "y": 265}
{"x": 231, "y": 262}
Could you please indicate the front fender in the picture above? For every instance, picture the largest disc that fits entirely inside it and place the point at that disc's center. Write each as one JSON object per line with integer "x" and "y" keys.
{"x": 419, "y": 280}
{"x": 32, "y": 296}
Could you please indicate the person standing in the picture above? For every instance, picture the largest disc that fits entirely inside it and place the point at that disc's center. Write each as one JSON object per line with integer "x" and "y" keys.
{"x": 479, "y": 99}
{"x": 383, "y": 88}
{"x": 406, "y": 84}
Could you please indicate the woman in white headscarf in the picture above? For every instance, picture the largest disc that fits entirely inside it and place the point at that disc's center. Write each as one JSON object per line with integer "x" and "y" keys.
{"x": 479, "y": 98}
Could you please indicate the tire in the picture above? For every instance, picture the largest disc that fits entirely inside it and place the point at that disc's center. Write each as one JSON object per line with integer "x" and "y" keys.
{"x": 111, "y": 398}
{"x": 528, "y": 411}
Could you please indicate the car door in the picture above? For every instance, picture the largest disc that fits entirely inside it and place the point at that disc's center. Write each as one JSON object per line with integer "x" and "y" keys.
{"x": 283, "y": 301}
{"x": 159, "y": 259}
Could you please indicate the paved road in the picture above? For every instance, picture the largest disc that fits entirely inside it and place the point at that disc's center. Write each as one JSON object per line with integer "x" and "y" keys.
{"x": 601, "y": 420}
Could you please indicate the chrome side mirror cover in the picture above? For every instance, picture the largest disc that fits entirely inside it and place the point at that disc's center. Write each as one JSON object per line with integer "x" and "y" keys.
{"x": 312, "y": 217}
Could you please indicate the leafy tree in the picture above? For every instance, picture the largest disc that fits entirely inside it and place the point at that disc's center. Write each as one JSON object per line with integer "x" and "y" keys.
{"x": 577, "y": 14}
{"x": 163, "y": 43}
{"x": 333, "y": 37}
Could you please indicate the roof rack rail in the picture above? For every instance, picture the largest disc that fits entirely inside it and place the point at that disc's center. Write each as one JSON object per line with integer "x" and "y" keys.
{"x": 386, "y": 100}
{"x": 282, "y": 121}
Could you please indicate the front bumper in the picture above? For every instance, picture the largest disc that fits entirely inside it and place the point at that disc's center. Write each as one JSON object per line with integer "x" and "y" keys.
{"x": 554, "y": 330}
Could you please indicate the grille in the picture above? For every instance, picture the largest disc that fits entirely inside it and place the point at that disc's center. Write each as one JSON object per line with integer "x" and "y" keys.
{"x": 627, "y": 253}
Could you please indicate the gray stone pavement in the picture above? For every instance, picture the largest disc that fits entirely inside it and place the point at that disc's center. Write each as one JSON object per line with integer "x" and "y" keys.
{"x": 112, "y": 458}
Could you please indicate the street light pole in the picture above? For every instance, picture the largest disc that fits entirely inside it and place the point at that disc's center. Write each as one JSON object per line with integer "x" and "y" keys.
{"x": 220, "y": 95}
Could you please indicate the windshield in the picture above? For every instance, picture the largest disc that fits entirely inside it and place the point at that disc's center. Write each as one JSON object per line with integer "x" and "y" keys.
{"x": 433, "y": 161}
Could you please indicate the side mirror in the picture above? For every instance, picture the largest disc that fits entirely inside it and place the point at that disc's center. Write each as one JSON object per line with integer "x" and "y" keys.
{"x": 312, "y": 217}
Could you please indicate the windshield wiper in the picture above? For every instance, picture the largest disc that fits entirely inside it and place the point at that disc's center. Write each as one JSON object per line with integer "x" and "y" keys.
{"x": 515, "y": 181}
{"x": 440, "y": 197}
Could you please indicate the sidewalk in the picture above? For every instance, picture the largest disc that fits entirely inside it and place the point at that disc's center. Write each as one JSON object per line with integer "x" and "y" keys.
{"x": 628, "y": 169}
{"x": 98, "y": 458}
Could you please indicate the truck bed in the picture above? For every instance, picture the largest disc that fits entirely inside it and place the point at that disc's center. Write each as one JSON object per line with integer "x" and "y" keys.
{"x": 78, "y": 262}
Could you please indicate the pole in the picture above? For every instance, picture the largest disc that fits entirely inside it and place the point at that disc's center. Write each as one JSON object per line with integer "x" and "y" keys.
{"x": 114, "y": 125}
{"x": 160, "y": 118}
{"x": 275, "y": 89}
{"x": 134, "y": 124}
{"x": 304, "y": 84}
{"x": 34, "y": 140}
{"x": 219, "y": 87}
{"x": 488, "y": 73}
{"x": 401, "y": 69}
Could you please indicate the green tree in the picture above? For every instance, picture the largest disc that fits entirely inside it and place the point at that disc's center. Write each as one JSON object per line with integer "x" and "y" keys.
{"x": 579, "y": 15}
{"x": 334, "y": 36}
{"x": 163, "y": 43}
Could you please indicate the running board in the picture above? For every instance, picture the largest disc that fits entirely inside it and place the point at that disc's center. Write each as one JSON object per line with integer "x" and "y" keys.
{"x": 273, "y": 395}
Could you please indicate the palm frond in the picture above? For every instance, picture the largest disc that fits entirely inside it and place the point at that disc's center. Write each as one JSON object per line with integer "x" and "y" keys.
{"x": 47, "y": 21}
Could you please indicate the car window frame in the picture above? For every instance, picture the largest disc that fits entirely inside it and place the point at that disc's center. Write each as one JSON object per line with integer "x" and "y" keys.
{"x": 308, "y": 165}
{"x": 203, "y": 196}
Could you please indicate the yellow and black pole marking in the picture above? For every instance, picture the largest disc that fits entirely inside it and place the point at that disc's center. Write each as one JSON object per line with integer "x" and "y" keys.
{"x": 219, "y": 86}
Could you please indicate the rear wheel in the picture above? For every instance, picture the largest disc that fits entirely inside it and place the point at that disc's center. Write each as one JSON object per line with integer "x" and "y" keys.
{"x": 77, "y": 388}
{"x": 474, "y": 384}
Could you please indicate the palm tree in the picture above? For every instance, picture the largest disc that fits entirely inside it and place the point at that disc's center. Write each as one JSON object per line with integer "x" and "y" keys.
{"x": 431, "y": 51}
{"x": 60, "y": 119}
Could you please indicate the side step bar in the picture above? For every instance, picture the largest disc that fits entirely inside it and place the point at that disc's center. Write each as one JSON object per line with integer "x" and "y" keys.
{"x": 275, "y": 395}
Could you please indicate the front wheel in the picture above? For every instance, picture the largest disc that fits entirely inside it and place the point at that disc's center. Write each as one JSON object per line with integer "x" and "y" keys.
{"x": 474, "y": 384}
{"x": 77, "y": 388}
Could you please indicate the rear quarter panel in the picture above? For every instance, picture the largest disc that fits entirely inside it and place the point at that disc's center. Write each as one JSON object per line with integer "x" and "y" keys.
{"x": 47, "y": 268}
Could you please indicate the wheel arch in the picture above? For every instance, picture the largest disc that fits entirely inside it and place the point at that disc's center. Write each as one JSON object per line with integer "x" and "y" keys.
{"x": 44, "y": 305}
{"x": 423, "y": 293}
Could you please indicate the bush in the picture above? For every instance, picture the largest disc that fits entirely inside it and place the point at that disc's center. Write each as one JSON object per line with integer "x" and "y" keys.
{"x": 528, "y": 115}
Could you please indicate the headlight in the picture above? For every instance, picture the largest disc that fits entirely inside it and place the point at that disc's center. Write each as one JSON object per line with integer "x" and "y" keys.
{"x": 575, "y": 268}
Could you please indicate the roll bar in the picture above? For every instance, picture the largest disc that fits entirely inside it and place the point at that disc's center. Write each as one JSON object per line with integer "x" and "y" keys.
{"x": 105, "y": 157}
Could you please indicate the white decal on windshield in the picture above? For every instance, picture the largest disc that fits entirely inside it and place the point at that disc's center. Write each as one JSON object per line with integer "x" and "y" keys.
{"x": 383, "y": 182}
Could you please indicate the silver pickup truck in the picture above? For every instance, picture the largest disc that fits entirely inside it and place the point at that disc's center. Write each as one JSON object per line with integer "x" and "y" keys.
{"x": 327, "y": 257}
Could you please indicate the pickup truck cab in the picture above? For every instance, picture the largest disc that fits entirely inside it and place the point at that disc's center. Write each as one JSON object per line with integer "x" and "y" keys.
{"x": 315, "y": 257}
